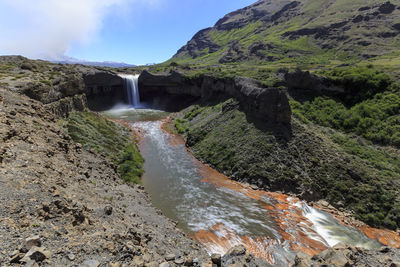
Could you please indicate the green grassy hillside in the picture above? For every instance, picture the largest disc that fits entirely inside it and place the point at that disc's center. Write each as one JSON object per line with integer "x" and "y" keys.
{"x": 301, "y": 32}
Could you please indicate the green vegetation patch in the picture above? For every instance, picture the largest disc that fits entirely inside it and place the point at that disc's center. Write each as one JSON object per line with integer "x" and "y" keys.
{"x": 115, "y": 142}
{"x": 377, "y": 119}
{"x": 130, "y": 164}
{"x": 387, "y": 160}
{"x": 361, "y": 82}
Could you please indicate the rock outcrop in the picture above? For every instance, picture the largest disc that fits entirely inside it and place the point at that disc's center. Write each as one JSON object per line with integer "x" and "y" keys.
{"x": 63, "y": 107}
{"x": 267, "y": 104}
{"x": 304, "y": 80}
{"x": 103, "y": 88}
{"x": 262, "y": 10}
{"x": 63, "y": 88}
{"x": 342, "y": 255}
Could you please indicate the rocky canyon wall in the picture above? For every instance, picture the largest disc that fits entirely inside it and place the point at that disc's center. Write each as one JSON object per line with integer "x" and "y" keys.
{"x": 267, "y": 104}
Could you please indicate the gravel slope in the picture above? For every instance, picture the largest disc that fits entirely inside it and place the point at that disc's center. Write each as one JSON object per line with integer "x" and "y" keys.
{"x": 72, "y": 199}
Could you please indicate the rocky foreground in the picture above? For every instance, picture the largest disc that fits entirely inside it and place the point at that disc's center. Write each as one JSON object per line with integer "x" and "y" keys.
{"x": 342, "y": 255}
{"x": 62, "y": 205}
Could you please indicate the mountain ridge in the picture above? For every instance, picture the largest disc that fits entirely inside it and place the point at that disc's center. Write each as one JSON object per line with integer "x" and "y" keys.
{"x": 111, "y": 64}
{"x": 301, "y": 31}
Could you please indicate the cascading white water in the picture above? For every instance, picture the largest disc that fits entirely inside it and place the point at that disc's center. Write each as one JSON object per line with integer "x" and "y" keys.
{"x": 132, "y": 89}
{"x": 332, "y": 232}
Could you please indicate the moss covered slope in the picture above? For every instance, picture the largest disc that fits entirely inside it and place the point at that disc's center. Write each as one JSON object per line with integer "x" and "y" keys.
{"x": 308, "y": 160}
{"x": 114, "y": 141}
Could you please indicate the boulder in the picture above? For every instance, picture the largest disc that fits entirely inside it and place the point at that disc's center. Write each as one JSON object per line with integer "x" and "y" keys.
{"x": 108, "y": 210}
{"x": 26, "y": 66}
{"x": 179, "y": 261}
{"x": 151, "y": 264}
{"x": 33, "y": 241}
{"x": 36, "y": 254}
{"x": 31, "y": 263}
{"x": 338, "y": 258}
{"x": 188, "y": 261}
{"x": 170, "y": 257}
{"x": 91, "y": 263}
{"x": 71, "y": 257}
{"x": 216, "y": 259}
{"x": 302, "y": 260}
{"x": 236, "y": 251}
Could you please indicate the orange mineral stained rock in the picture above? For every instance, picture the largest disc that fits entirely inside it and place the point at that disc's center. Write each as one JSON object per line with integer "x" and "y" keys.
{"x": 293, "y": 227}
{"x": 220, "y": 238}
{"x": 219, "y": 180}
{"x": 385, "y": 237}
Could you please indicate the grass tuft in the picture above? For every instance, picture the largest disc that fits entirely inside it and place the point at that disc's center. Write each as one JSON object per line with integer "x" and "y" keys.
{"x": 115, "y": 142}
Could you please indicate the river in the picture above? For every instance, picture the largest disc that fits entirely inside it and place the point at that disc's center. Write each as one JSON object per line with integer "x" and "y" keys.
{"x": 221, "y": 213}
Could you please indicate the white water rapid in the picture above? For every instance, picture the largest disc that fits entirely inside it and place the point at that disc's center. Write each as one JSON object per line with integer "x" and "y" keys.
{"x": 331, "y": 232}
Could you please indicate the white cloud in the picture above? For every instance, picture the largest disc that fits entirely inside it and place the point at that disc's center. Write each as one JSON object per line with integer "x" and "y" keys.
{"x": 47, "y": 28}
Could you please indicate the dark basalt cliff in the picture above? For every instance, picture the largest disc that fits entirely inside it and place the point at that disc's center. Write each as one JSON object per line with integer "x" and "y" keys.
{"x": 78, "y": 87}
{"x": 267, "y": 104}
{"x": 103, "y": 89}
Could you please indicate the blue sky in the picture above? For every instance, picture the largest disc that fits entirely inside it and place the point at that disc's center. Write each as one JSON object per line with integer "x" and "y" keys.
{"x": 131, "y": 31}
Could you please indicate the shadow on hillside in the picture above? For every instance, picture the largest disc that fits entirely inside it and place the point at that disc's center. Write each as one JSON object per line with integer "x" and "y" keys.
{"x": 282, "y": 133}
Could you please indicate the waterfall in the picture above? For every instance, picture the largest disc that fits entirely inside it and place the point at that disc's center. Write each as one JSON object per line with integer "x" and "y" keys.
{"x": 132, "y": 89}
